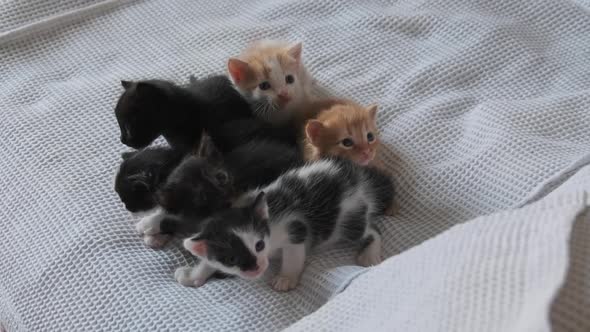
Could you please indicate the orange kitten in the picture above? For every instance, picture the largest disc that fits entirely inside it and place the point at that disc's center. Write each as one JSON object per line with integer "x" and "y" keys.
{"x": 345, "y": 129}
{"x": 271, "y": 75}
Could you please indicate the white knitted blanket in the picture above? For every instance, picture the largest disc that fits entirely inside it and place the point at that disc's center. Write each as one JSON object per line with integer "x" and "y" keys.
{"x": 485, "y": 108}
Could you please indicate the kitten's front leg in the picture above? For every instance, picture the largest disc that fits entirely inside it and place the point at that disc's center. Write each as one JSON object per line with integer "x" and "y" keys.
{"x": 291, "y": 267}
{"x": 370, "y": 253}
{"x": 194, "y": 276}
{"x": 150, "y": 225}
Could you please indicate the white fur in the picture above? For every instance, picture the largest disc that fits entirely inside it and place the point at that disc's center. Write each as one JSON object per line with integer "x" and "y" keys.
{"x": 150, "y": 224}
{"x": 194, "y": 276}
{"x": 291, "y": 267}
{"x": 320, "y": 166}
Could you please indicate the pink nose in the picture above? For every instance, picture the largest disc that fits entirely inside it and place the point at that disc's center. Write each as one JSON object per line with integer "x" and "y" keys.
{"x": 283, "y": 94}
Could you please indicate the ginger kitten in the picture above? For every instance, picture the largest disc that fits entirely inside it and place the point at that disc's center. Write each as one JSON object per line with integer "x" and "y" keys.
{"x": 344, "y": 129}
{"x": 271, "y": 75}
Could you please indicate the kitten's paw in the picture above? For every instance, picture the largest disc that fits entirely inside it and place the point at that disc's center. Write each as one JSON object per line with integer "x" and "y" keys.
{"x": 148, "y": 226}
{"x": 184, "y": 276}
{"x": 156, "y": 241}
{"x": 283, "y": 283}
{"x": 368, "y": 258}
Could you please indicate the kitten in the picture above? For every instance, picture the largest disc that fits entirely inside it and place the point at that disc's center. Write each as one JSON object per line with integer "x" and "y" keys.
{"x": 318, "y": 204}
{"x": 271, "y": 75}
{"x": 206, "y": 183}
{"x": 141, "y": 173}
{"x": 148, "y": 109}
{"x": 343, "y": 129}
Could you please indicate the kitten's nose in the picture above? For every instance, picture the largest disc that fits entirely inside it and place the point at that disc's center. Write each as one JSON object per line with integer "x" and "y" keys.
{"x": 123, "y": 139}
{"x": 283, "y": 94}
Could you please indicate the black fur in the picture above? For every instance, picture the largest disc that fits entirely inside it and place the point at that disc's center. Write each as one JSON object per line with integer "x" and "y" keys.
{"x": 297, "y": 232}
{"x": 207, "y": 183}
{"x": 148, "y": 109}
{"x": 260, "y": 162}
{"x": 196, "y": 188}
{"x": 352, "y": 229}
{"x": 141, "y": 173}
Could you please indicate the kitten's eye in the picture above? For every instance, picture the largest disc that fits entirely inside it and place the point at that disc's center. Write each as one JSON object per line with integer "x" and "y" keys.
{"x": 259, "y": 246}
{"x": 264, "y": 85}
{"x": 370, "y": 137}
{"x": 347, "y": 142}
{"x": 221, "y": 177}
{"x": 232, "y": 260}
{"x": 289, "y": 79}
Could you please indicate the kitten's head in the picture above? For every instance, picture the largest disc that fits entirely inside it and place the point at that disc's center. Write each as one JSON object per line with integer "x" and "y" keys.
{"x": 346, "y": 130}
{"x": 269, "y": 73}
{"x": 235, "y": 241}
{"x": 134, "y": 182}
{"x": 137, "y": 111}
{"x": 199, "y": 186}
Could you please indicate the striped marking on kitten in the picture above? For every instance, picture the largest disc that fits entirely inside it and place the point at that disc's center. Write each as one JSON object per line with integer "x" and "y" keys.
{"x": 271, "y": 75}
{"x": 311, "y": 207}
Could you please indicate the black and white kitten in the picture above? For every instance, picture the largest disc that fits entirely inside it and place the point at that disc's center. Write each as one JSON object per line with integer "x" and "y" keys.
{"x": 208, "y": 182}
{"x": 316, "y": 205}
{"x": 141, "y": 173}
{"x": 148, "y": 109}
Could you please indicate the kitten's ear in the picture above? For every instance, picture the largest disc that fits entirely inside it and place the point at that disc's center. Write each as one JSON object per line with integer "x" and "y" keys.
{"x": 127, "y": 155}
{"x": 295, "y": 52}
{"x": 126, "y": 84}
{"x": 260, "y": 207}
{"x": 313, "y": 128}
{"x": 208, "y": 150}
{"x": 372, "y": 111}
{"x": 198, "y": 246}
{"x": 240, "y": 71}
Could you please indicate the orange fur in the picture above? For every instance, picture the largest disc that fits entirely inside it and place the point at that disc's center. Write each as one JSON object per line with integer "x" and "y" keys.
{"x": 342, "y": 120}
{"x": 277, "y": 66}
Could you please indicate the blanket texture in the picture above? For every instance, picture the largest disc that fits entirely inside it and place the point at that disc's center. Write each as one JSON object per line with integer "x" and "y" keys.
{"x": 484, "y": 111}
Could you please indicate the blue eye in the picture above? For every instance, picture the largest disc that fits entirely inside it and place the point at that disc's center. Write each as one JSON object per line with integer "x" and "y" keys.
{"x": 264, "y": 85}
{"x": 289, "y": 79}
{"x": 259, "y": 246}
{"x": 347, "y": 142}
{"x": 370, "y": 137}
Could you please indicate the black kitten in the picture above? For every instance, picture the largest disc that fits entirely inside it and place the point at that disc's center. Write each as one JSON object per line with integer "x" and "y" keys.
{"x": 141, "y": 173}
{"x": 204, "y": 184}
{"x": 148, "y": 109}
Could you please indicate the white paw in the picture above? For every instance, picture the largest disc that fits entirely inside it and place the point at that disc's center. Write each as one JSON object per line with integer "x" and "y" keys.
{"x": 368, "y": 258}
{"x": 156, "y": 241}
{"x": 184, "y": 277}
{"x": 148, "y": 226}
{"x": 283, "y": 283}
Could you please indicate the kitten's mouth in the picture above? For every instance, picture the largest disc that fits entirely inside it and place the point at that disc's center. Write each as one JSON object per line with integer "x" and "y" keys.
{"x": 282, "y": 101}
{"x": 259, "y": 271}
{"x": 364, "y": 161}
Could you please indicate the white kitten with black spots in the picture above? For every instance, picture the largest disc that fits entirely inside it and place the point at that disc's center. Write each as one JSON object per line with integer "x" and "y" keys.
{"x": 316, "y": 205}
